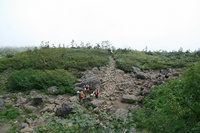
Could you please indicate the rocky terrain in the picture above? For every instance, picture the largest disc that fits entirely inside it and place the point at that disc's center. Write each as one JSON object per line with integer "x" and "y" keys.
{"x": 120, "y": 92}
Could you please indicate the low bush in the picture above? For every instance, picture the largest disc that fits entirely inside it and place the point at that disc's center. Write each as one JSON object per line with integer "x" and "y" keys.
{"x": 9, "y": 113}
{"x": 173, "y": 106}
{"x": 153, "y": 60}
{"x": 57, "y": 58}
{"x": 29, "y": 79}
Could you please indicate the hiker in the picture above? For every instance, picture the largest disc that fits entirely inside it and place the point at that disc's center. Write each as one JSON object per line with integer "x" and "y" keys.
{"x": 96, "y": 92}
{"x": 91, "y": 95}
{"x": 81, "y": 96}
{"x": 161, "y": 71}
{"x": 84, "y": 86}
{"x": 78, "y": 93}
{"x": 86, "y": 89}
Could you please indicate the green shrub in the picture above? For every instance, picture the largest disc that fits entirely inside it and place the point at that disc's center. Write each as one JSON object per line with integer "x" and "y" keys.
{"x": 9, "y": 114}
{"x": 174, "y": 106}
{"x": 56, "y": 58}
{"x": 153, "y": 60}
{"x": 28, "y": 79}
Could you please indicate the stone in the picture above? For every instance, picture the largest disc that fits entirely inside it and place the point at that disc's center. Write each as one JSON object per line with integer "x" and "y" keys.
{"x": 22, "y": 125}
{"x": 58, "y": 102}
{"x": 78, "y": 88}
{"x": 38, "y": 99}
{"x": 1, "y": 102}
{"x": 67, "y": 108}
{"x": 60, "y": 97}
{"x": 52, "y": 89}
{"x": 129, "y": 98}
{"x": 141, "y": 75}
{"x": 27, "y": 130}
{"x": 40, "y": 120}
{"x": 133, "y": 107}
{"x": 96, "y": 103}
{"x": 74, "y": 99}
{"x": 51, "y": 101}
{"x": 29, "y": 121}
{"x": 88, "y": 77}
{"x": 136, "y": 69}
{"x": 121, "y": 113}
{"x": 49, "y": 108}
{"x": 33, "y": 93}
{"x": 21, "y": 100}
{"x": 32, "y": 108}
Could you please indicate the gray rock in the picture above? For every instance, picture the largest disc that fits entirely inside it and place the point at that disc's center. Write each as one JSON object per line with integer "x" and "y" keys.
{"x": 60, "y": 97}
{"x": 1, "y": 102}
{"x": 33, "y": 93}
{"x": 38, "y": 99}
{"x": 88, "y": 78}
{"x": 21, "y": 100}
{"x": 52, "y": 89}
{"x": 32, "y": 108}
{"x": 74, "y": 99}
{"x": 141, "y": 75}
{"x": 51, "y": 101}
{"x": 27, "y": 130}
{"x": 96, "y": 103}
{"x": 78, "y": 88}
{"x": 121, "y": 113}
{"x": 133, "y": 107}
{"x": 129, "y": 98}
{"x": 49, "y": 108}
{"x": 95, "y": 70}
{"x": 67, "y": 108}
{"x": 29, "y": 121}
{"x": 22, "y": 125}
{"x": 136, "y": 70}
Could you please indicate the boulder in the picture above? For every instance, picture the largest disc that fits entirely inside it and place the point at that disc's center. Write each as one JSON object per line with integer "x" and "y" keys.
{"x": 1, "y": 102}
{"x": 121, "y": 113}
{"x": 88, "y": 78}
{"x": 52, "y": 89}
{"x": 32, "y": 108}
{"x": 38, "y": 99}
{"x": 21, "y": 125}
{"x": 67, "y": 108}
{"x": 49, "y": 108}
{"x": 21, "y": 100}
{"x": 74, "y": 99}
{"x": 78, "y": 88}
{"x": 136, "y": 70}
{"x": 96, "y": 103}
{"x": 141, "y": 75}
{"x": 33, "y": 93}
{"x": 129, "y": 98}
{"x": 27, "y": 130}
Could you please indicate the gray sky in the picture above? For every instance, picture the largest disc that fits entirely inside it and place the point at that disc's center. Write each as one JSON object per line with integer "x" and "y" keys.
{"x": 155, "y": 24}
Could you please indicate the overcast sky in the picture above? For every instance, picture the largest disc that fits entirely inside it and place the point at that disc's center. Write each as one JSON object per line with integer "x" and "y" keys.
{"x": 155, "y": 24}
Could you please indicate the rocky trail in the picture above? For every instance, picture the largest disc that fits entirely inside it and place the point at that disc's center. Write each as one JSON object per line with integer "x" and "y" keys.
{"x": 110, "y": 77}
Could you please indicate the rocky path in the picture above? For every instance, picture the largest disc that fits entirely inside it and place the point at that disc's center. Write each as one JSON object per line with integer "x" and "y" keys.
{"x": 111, "y": 77}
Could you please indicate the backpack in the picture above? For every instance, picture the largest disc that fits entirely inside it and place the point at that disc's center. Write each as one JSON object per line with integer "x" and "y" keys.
{"x": 87, "y": 86}
{"x": 96, "y": 91}
{"x": 81, "y": 95}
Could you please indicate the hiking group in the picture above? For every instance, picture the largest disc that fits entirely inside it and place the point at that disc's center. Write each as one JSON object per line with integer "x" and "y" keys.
{"x": 83, "y": 93}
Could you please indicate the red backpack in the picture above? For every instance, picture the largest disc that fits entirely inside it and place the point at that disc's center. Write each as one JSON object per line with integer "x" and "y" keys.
{"x": 96, "y": 91}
